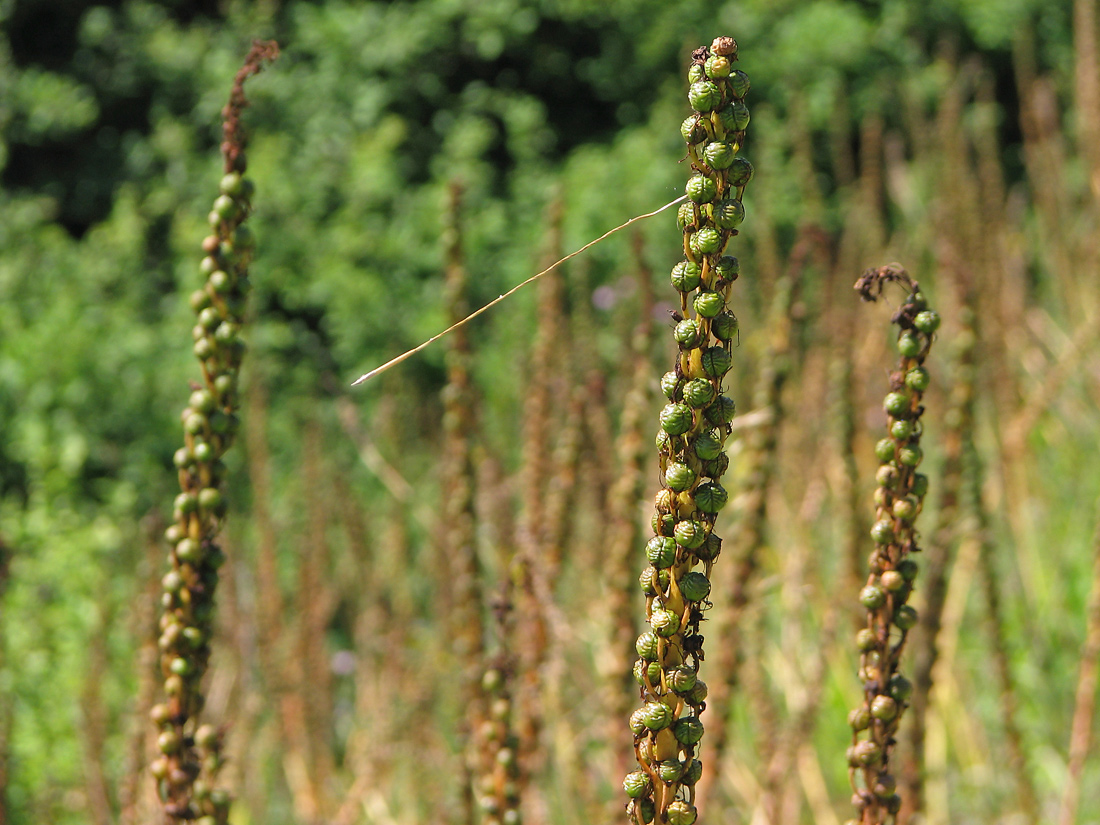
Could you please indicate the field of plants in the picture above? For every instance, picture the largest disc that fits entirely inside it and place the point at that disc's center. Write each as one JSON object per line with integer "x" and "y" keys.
{"x": 686, "y": 530}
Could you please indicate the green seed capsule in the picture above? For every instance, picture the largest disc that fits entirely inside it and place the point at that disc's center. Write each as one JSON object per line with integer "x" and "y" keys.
{"x": 727, "y": 268}
{"x": 739, "y": 83}
{"x": 709, "y": 550}
{"x": 676, "y": 419}
{"x": 665, "y": 622}
{"x": 734, "y": 117}
{"x": 896, "y": 404}
{"x": 670, "y": 770}
{"x": 169, "y": 742}
{"x": 927, "y": 321}
{"x": 670, "y": 385}
{"x": 884, "y": 708}
{"x": 646, "y": 645}
{"x": 728, "y": 214}
{"x": 685, "y": 275}
{"x": 900, "y": 688}
{"x": 882, "y": 531}
{"x": 908, "y": 569}
{"x": 901, "y": 430}
{"x": 698, "y": 393}
{"x": 892, "y": 580}
{"x": 698, "y": 694}
{"x": 693, "y": 131}
{"x": 226, "y": 208}
{"x": 887, "y": 476}
{"x": 661, "y": 551}
{"x": 646, "y": 808}
{"x": 182, "y": 458}
{"x": 910, "y": 456}
{"x": 637, "y": 723}
{"x": 724, "y": 326}
{"x": 664, "y": 525}
{"x": 701, "y": 189}
{"x": 687, "y": 334}
{"x": 706, "y": 241}
{"x": 696, "y": 73}
{"x": 647, "y": 583}
{"x": 917, "y": 379}
{"x": 679, "y": 477}
{"x": 682, "y": 679}
{"x": 221, "y": 282}
{"x": 920, "y": 485}
{"x": 859, "y": 718}
{"x": 694, "y": 586}
{"x": 710, "y": 497}
{"x": 662, "y": 441}
{"x": 884, "y": 450}
{"x": 189, "y": 551}
{"x": 718, "y": 66}
{"x": 211, "y": 500}
{"x": 709, "y": 304}
{"x": 688, "y": 730}
{"x": 720, "y": 154}
{"x": 866, "y": 640}
{"x": 868, "y": 752}
{"x": 685, "y": 215}
{"x": 636, "y": 784}
{"x": 905, "y": 509}
{"x": 721, "y": 411}
{"x": 872, "y": 597}
{"x": 656, "y": 715}
{"x": 716, "y": 361}
{"x": 186, "y": 503}
{"x": 690, "y": 534}
{"x": 909, "y": 345}
{"x": 693, "y": 773}
{"x": 704, "y": 96}
{"x": 681, "y": 813}
{"x": 905, "y": 617}
{"x": 707, "y": 447}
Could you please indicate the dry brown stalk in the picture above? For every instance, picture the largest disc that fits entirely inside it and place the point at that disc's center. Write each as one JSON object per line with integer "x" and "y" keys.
{"x": 1087, "y": 90}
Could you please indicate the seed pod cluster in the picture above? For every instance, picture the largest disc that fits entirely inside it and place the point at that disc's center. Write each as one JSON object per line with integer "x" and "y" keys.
{"x": 898, "y": 501}
{"x": 191, "y": 753}
{"x": 693, "y": 428}
{"x": 499, "y": 783}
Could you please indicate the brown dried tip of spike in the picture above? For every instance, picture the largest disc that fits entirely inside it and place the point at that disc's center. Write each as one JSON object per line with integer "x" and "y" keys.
{"x": 263, "y": 51}
{"x": 724, "y": 46}
{"x": 871, "y": 282}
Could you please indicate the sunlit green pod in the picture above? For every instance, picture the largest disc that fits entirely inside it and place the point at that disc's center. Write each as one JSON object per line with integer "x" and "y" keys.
{"x": 704, "y": 96}
{"x": 698, "y": 392}
{"x": 706, "y": 241}
{"x": 676, "y": 419}
{"x": 728, "y": 214}
{"x": 710, "y": 497}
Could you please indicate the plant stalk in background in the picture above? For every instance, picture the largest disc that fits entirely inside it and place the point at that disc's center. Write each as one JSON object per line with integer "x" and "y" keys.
{"x": 690, "y": 443}
{"x": 191, "y": 753}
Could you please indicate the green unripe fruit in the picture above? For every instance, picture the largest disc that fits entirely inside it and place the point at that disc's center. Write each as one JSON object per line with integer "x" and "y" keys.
{"x": 882, "y": 531}
{"x": 685, "y": 275}
{"x": 905, "y": 509}
{"x": 690, "y": 534}
{"x": 676, "y": 419}
{"x": 739, "y": 83}
{"x": 670, "y": 770}
{"x": 656, "y": 715}
{"x": 211, "y": 500}
{"x": 724, "y": 326}
{"x": 203, "y": 349}
{"x": 900, "y": 688}
{"x": 693, "y": 773}
{"x": 637, "y": 723}
{"x": 711, "y": 548}
{"x": 909, "y": 345}
{"x": 920, "y": 485}
{"x": 221, "y": 281}
{"x": 227, "y": 332}
{"x": 180, "y": 667}
{"x": 662, "y": 441}
{"x": 685, "y": 215}
{"x": 901, "y": 430}
{"x": 706, "y": 241}
{"x": 710, "y": 497}
{"x": 681, "y": 813}
{"x": 663, "y": 524}
{"x": 186, "y": 503}
{"x": 644, "y": 670}
{"x": 704, "y": 96}
{"x": 636, "y": 784}
{"x": 908, "y": 569}
{"x": 859, "y": 719}
{"x": 718, "y": 66}
{"x": 701, "y": 189}
{"x": 209, "y": 318}
{"x": 665, "y": 622}
{"x": 661, "y": 551}
{"x": 202, "y": 401}
{"x": 687, "y": 334}
{"x": 694, "y": 586}
{"x": 896, "y": 404}
{"x": 727, "y": 268}
{"x": 698, "y": 393}
{"x": 646, "y": 808}
{"x": 169, "y": 742}
{"x": 646, "y": 582}
{"x": 172, "y": 581}
{"x": 204, "y": 451}
{"x": 740, "y": 173}
{"x": 173, "y": 534}
{"x": 866, "y": 640}
{"x": 734, "y": 117}
{"x": 698, "y": 694}
{"x": 199, "y": 300}
{"x": 679, "y": 477}
{"x": 194, "y": 637}
{"x": 884, "y": 450}
{"x": 867, "y": 752}
{"x": 716, "y": 468}
{"x": 910, "y": 456}
{"x": 872, "y": 597}
{"x": 189, "y": 551}
{"x": 693, "y": 131}
{"x": 892, "y": 580}
{"x": 646, "y": 645}
{"x": 696, "y": 73}
{"x": 728, "y": 214}
{"x": 670, "y": 384}
{"x": 905, "y": 617}
{"x": 927, "y": 321}
{"x": 182, "y": 458}
{"x": 709, "y": 304}
{"x": 682, "y": 679}
{"x": 226, "y": 208}
{"x": 917, "y": 379}
{"x": 716, "y": 361}
{"x": 707, "y": 447}
{"x": 884, "y": 708}
{"x": 886, "y": 476}
{"x": 688, "y": 730}
{"x": 720, "y": 154}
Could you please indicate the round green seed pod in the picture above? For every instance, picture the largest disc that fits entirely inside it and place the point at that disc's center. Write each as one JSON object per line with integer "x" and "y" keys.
{"x": 693, "y": 131}
{"x": 716, "y": 468}
{"x": 896, "y": 404}
{"x": 646, "y": 645}
{"x": 884, "y": 708}
{"x": 706, "y": 241}
{"x": 682, "y": 679}
{"x": 724, "y": 326}
{"x": 900, "y": 688}
{"x": 910, "y": 456}
{"x": 740, "y": 173}
{"x": 709, "y": 304}
{"x": 688, "y": 730}
{"x": 172, "y": 581}
{"x": 189, "y": 551}
{"x": 665, "y": 622}
{"x": 681, "y": 813}
{"x": 670, "y": 770}
{"x": 696, "y": 73}
{"x": 882, "y": 531}
{"x": 717, "y": 66}
{"x": 203, "y": 349}
{"x": 701, "y": 189}
{"x": 226, "y": 208}
{"x": 636, "y": 784}
{"x": 694, "y": 586}
{"x": 710, "y": 549}
{"x": 720, "y": 154}
{"x": 901, "y": 429}
{"x": 661, "y": 551}
{"x": 739, "y": 83}
{"x": 679, "y": 477}
{"x": 734, "y": 117}
{"x": 698, "y": 694}
{"x": 698, "y": 393}
{"x": 905, "y": 509}
{"x": 872, "y": 597}
{"x": 231, "y": 185}
{"x": 909, "y": 345}
{"x": 676, "y": 419}
{"x": 199, "y": 300}
{"x": 646, "y": 809}
{"x": 906, "y": 617}
{"x": 693, "y": 773}
{"x": 662, "y": 440}
{"x": 183, "y": 458}
{"x": 685, "y": 275}
{"x": 892, "y": 580}
{"x": 194, "y": 637}
{"x": 859, "y": 718}
{"x": 707, "y": 447}
{"x": 663, "y": 525}
{"x": 729, "y": 213}
{"x": 670, "y": 385}
{"x": 704, "y": 96}
{"x": 886, "y": 476}
{"x": 685, "y": 215}
{"x": 645, "y": 670}
{"x": 646, "y": 582}
{"x": 656, "y": 715}
{"x": 710, "y": 497}
{"x": 927, "y": 321}
{"x": 917, "y": 379}
{"x": 690, "y": 534}
{"x": 727, "y": 268}
{"x": 209, "y": 318}
{"x": 884, "y": 449}
{"x": 716, "y": 361}
{"x": 868, "y": 752}
{"x": 866, "y": 640}
{"x": 169, "y": 742}
{"x": 186, "y": 503}
{"x": 221, "y": 281}
{"x": 204, "y": 451}
{"x": 211, "y": 500}
{"x": 908, "y": 569}
{"x": 687, "y": 334}
{"x": 637, "y": 723}
{"x": 920, "y": 485}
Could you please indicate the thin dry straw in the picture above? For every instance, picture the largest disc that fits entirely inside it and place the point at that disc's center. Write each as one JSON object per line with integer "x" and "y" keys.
{"x": 395, "y": 361}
